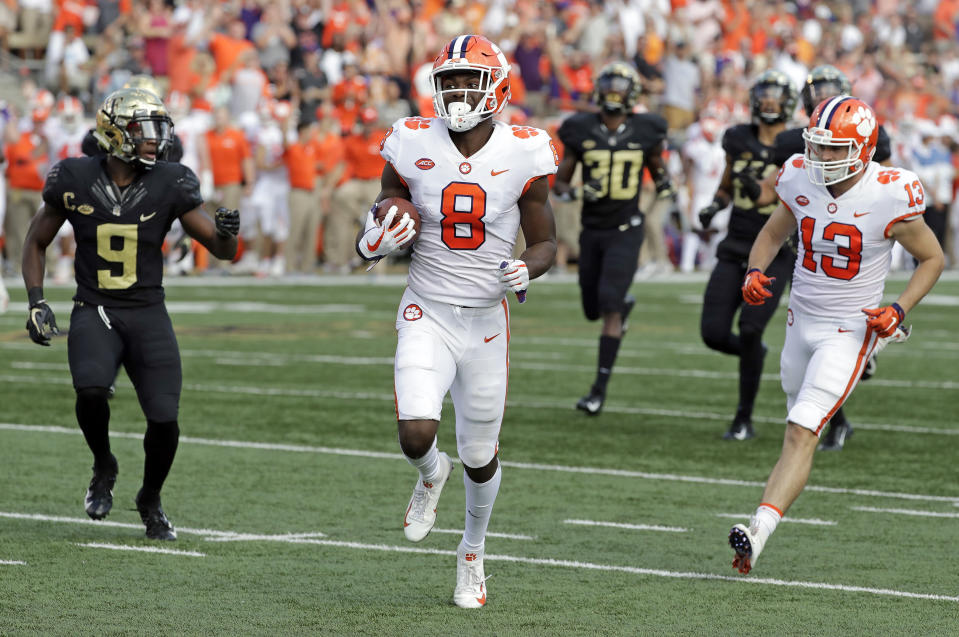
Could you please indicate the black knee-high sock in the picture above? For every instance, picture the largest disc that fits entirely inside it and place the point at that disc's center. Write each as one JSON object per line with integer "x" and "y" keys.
{"x": 608, "y": 348}
{"x": 751, "y": 359}
{"x": 838, "y": 418}
{"x": 93, "y": 416}
{"x": 159, "y": 445}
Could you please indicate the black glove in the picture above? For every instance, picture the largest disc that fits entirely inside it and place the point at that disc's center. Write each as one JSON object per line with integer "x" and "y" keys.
{"x": 748, "y": 184}
{"x": 592, "y": 190}
{"x": 706, "y": 214}
{"x": 664, "y": 187}
{"x": 40, "y": 315}
{"x": 227, "y": 222}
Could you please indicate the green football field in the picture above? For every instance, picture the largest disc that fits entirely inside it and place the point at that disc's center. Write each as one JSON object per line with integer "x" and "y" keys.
{"x": 288, "y": 490}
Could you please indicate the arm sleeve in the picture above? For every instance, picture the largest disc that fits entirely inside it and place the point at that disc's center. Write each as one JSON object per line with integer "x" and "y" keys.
{"x": 187, "y": 187}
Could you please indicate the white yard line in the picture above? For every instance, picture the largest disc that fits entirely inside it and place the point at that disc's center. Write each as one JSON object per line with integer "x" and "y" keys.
{"x": 208, "y": 534}
{"x": 622, "y": 473}
{"x": 515, "y": 402}
{"x": 292, "y": 539}
{"x": 505, "y": 536}
{"x": 631, "y": 527}
{"x": 12, "y": 563}
{"x": 925, "y": 514}
{"x": 644, "y": 571}
{"x": 813, "y": 521}
{"x": 140, "y": 549}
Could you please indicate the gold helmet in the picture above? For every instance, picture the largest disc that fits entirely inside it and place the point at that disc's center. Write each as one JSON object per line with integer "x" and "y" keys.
{"x": 128, "y": 117}
{"x": 617, "y": 88}
{"x": 145, "y": 82}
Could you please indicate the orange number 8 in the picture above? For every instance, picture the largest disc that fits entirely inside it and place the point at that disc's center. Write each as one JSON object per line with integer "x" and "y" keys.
{"x": 457, "y": 220}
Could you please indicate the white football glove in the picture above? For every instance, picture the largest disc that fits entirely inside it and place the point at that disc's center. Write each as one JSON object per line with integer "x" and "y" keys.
{"x": 380, "y": 241}
{"x": 514, "y": 275}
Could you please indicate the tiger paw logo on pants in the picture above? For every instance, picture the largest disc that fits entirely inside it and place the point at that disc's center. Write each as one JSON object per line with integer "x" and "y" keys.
{"x": 412, "y": 312}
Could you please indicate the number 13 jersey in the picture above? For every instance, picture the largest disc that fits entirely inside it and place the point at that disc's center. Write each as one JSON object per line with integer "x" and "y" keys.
{"x": 844, "y": 242}
{"x": 468, "y": 205}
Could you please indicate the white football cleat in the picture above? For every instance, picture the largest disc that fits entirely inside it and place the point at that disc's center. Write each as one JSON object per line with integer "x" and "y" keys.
{"x": 421, "y": 512}
{"x": 745, "y": 541}
{"x": 470, "y": 589}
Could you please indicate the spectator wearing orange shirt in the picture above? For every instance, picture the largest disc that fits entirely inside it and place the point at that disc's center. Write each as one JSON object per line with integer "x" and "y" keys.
{"x": 300, "y": 158}
{"x": 232, "y": 163}
{"x": 226, "y": 48}
{"x": 350, "y": 200}
{"x": 329, "y": 154}
{"x": 27, "y": 163}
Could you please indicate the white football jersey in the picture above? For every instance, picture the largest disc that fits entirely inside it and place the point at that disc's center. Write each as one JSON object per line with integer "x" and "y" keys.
{"x": 844, "y": 242}
{"x": 467, "y": 205}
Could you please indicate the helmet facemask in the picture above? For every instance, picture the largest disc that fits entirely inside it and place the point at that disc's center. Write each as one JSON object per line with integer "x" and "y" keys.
{"x": 128, "y": 118}
{"x": 613, "y": 93}
{"x": 827, "y": 173}
{"x": 460, "y": 115}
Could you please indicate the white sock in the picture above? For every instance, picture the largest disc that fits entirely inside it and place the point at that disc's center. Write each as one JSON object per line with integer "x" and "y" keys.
{"x": 428, "y": 465}
{"x": 765, "y": 520}
{"x": 479, "y": 506}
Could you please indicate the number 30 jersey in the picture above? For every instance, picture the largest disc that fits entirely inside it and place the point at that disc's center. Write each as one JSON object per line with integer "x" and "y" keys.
{"x": 612, "y": 163}
{"x": 468, "y": 205}
{"x": 844, "y": 243}
{"x": 120, "y": 233}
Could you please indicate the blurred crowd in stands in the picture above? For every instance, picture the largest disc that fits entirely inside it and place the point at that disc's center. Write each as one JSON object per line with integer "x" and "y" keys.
{"x": 281, "y": 104}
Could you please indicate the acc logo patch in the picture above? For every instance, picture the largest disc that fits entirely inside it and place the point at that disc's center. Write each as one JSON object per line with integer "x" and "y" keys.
{"x": 802, "y": 200}
{"x": 412, "y": 312}
{"x": 465, "y": 168}
{"x": 85, "y": 209}
{"x": 589, "y": 143}
{"x": 832, "y": 208}
{"x": 425, "y": 163}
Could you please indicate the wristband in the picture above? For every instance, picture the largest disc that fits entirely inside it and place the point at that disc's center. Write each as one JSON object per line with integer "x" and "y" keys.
{"x": 898, "y": 308}
{"x": 35, "y": 295}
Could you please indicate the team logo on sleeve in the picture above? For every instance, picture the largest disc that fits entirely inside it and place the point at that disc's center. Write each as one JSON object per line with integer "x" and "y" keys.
{"x": 552, "y": 147}
{"x": 389, "y": 132}
{"x": 525, "y": 132}
{"x": 412, "y": 312}
{"x": 885, "y": 176}
{"x": 416, "y": 123}
{"x": 425, "y": 163}
{"x": 465, "y": 168}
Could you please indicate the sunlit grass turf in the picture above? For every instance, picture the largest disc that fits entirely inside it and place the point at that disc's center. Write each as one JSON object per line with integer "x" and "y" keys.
{"x": 322, "y": 380}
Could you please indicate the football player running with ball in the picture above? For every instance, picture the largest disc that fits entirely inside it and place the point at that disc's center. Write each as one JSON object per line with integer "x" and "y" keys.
{"x": 849, "y": 211}
{"x": 475, "y": 181}
{"x": 748, "y": 147}
{"x": 614, "y": 145}
{"x": 121, "y": 206}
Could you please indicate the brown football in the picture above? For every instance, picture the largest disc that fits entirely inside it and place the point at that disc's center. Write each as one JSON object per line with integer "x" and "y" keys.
{"x": 402, "y": 205}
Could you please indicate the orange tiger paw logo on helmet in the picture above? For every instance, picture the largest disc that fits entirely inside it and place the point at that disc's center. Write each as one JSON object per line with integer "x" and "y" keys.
{"x": 525, "y": 132}
{"x": 416, "y": 123}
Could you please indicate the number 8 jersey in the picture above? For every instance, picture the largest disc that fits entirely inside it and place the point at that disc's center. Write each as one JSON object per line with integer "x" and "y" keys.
{"x": 468, "y": 205}
{"x": 844, "y": 243}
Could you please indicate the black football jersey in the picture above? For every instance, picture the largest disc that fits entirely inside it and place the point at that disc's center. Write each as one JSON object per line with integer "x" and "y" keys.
{"x": 789, "y": 142}
{"x": 613, "y": 162}
{"x": 119, "y": 233}
{"x": 91, "y": 147}
{"x": 744, "y": 150}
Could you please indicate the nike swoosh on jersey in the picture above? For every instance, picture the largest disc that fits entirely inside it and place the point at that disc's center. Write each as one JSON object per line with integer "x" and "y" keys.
{"x": 493, "y": 173}
{"x": 487, "y": 340}
{"x": 148, "y": 217}
{"x": 860, "y": 214}
{"x": 843, "y": 331}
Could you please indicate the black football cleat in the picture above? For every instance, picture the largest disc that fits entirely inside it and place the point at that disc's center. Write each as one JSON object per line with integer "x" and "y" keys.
{"x": 628, "y": 304}
{"x": 592, "y": 404}
{"x": 158, "y": 526}
{"x": 99, "y": 498}
{"x": 740, "y": 430}
{"x": 835, "y": 437}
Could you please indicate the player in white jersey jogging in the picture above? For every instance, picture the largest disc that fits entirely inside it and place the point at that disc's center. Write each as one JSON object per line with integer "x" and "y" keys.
{"x": 474, "y": 182}
{"x": 849, "y": 211}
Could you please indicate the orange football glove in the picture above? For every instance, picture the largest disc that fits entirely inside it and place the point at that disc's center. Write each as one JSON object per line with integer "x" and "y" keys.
{"x": 884, "y": 320}
{"x": 755, "y": 287}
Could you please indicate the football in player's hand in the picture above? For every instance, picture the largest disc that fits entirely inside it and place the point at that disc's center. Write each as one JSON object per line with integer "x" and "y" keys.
{"x": 402, "y": 205}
